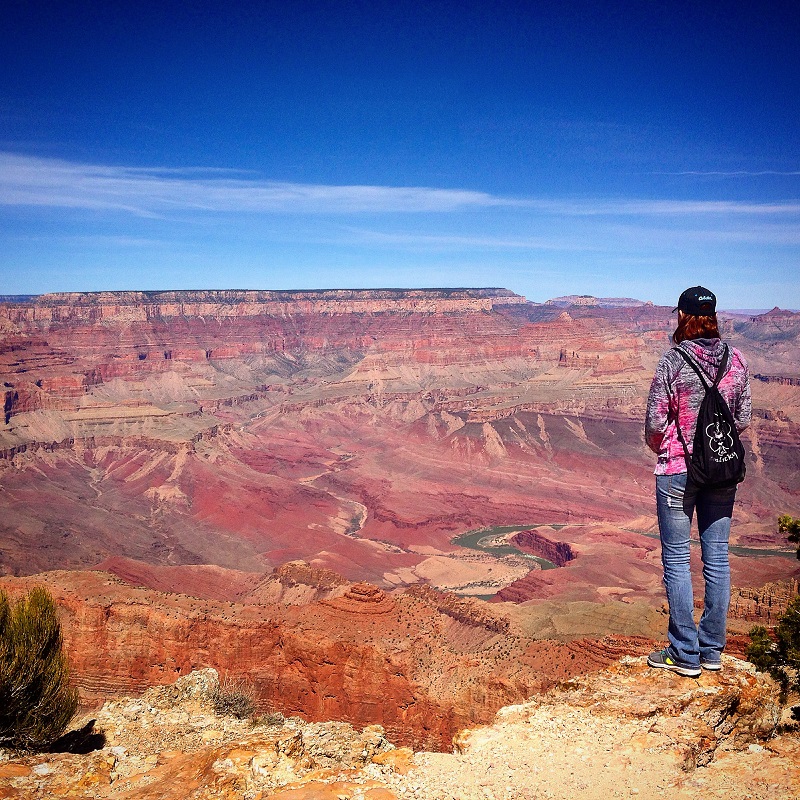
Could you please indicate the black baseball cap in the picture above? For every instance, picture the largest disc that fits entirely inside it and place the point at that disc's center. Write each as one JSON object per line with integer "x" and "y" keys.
{"x": 697, "y": 301}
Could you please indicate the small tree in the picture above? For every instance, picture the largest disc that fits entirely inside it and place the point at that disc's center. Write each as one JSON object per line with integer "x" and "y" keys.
{"x": 791, "y": 527}
{"x": 36, "y": 700}
{"x": 781, "y": 656}
{"x": 761, "y": 650}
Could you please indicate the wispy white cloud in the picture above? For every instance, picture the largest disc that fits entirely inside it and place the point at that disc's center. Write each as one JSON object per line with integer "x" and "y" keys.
{"x": 100, "y": 240}
{"x": 115, "y": 241}
{"x": 738, "y": 173}
{"x": 643, "y": 208}
{"x": 456, "y": 242}
{"x": 168, "y": 192}
{"x": 32, "y": 181}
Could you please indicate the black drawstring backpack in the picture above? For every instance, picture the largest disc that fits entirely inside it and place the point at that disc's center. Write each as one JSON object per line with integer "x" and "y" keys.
{"x": 717, "y": 457}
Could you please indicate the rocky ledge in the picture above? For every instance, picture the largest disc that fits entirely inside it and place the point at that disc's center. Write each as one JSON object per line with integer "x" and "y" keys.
{"x": 626, "y": 732}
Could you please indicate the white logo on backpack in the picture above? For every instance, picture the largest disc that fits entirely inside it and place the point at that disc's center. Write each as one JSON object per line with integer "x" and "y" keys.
{"x": 720, "y": 440}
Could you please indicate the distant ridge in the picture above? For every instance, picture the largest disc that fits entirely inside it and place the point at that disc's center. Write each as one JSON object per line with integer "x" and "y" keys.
{"x": 602, "y": 302}
{"x": 127, "y": 307}
{"x": 384, "y": 293}
{"x": 260, "y": 295}
{"x": 757, "y": 312}
{"x": 778, "y": 313}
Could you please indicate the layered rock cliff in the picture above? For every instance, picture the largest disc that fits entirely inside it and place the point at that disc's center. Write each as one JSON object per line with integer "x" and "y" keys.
{"x": 421, "y": 663}
{"x": 58, "y": 347}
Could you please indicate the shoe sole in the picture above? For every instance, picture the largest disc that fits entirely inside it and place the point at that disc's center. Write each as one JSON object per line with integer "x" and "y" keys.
{"x": 686, "y": 672}
{"x": 712, "y": 667}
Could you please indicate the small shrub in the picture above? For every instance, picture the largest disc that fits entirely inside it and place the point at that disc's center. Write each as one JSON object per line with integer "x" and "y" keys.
{"x": 761, "y": 649}
{"x": 780, "y": 656}
{"x": 36, "y": 700}
{"x": 791, "y": 527}
{"x": 234, "y": 698}
{"x": 273, "y": 718}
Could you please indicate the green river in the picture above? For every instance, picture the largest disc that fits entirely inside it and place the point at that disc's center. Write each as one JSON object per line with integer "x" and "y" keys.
{"x": 484, "y": 540}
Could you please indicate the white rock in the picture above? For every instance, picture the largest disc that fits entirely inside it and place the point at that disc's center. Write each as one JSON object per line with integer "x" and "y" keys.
{"x": 263, "y": 763}
{"x": 223, "y": 765}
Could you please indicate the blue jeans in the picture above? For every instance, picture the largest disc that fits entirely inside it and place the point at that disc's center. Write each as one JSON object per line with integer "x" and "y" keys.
{"x": 676, "y": 503}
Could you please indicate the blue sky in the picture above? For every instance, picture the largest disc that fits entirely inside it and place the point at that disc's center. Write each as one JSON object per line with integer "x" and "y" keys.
{"x": 615, "y": 149}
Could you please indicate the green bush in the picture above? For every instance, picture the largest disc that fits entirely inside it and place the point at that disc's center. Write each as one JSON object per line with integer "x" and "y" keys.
{"x": 761, "y": 650}
{"x": 791, "y": 527}
{"x": 781, "y": 657}
{"x": 36, "y": 700}
{"x": 779, "y": 654}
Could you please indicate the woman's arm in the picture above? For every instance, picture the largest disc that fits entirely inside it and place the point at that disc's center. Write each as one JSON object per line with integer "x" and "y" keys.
{"x": 657, "y": 415}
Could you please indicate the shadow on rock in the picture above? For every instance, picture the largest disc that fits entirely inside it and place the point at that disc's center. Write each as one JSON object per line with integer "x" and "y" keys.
{"x": 82, "y": 741}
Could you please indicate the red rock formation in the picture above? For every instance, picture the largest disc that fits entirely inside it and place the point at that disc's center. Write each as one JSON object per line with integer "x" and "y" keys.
{"x": 421, "y": 663}
{"x": 468, "y": 612}
{"x": 362, "y": 598}
{"x": 206, "y": 581}
{"x": 537, "y": 544}
{"x": 296, "y": 582}
{"x": 613, "y": 563}
{"x": 559, "y": 661}
{"x": 765, "y": 604}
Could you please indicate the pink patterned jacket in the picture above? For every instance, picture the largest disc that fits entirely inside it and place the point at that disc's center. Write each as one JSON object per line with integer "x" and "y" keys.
{"x": 676, "y": 391}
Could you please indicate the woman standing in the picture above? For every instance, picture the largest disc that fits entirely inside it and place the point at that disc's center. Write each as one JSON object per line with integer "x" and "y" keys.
{"x": 672, "y": 408}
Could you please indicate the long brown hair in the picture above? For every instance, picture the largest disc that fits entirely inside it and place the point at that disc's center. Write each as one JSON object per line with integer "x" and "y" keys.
{"x": 692, "y": 327}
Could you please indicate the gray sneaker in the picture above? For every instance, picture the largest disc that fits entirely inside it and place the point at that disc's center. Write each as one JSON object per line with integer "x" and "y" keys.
{"x": 661, "y": 659}
{"x": 711, "y": 666}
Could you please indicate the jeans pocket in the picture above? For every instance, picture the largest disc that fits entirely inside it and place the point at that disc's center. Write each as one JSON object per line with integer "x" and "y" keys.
{"x": 676, "y": 489}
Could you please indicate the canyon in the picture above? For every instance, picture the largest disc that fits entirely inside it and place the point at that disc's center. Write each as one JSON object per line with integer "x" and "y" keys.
{"x": 275, "y": 484}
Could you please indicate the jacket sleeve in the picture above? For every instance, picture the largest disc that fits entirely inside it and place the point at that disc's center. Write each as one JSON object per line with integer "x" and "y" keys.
{"x": 657, "y": 415}
{"x": 742, "y": 413}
